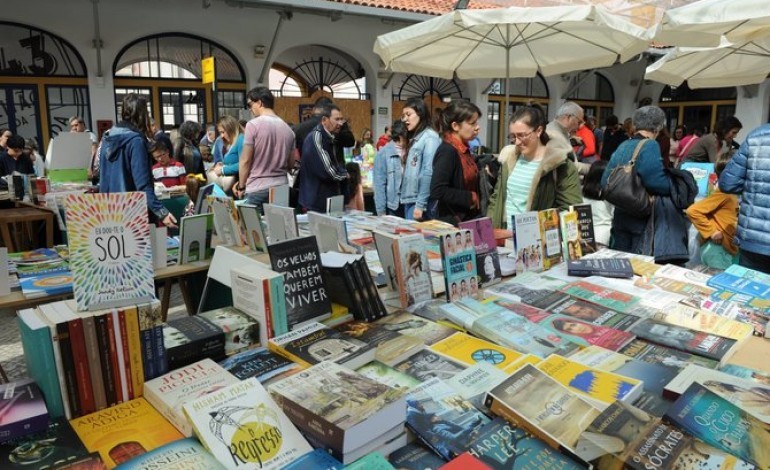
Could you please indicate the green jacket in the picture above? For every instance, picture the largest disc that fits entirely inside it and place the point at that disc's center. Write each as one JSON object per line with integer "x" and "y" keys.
{"x": 555, "y": 185}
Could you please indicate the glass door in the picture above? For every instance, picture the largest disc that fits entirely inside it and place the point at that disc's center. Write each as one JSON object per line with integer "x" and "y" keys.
{"x": 179, "y": 105}
{"x": 19, "y": 111}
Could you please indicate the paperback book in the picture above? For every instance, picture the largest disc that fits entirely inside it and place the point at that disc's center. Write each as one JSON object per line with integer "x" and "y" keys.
{"x": 227, "y": 222}
{"x": 54, "y": 445}
{"x": 316, "y": 342}
{"x": 281, "y": 223}
{"x": 426, "y": 331}
{"x": 474, "y": 382}
{"x": 387, "y": 375}
{"x": 528, "y": 242}
{"x": 570, "y": 235}
{"x": 195, "y": 233}
{"x": 608, "y": 297}
{"x": 187, "y": 454}
{"x": 658, "y": 354}
{"x": 415, "y": 457}
{"x": 607, "y": 267}
{"x": 260, "y": 363}
{"x": 531, "y": 289}
{"x": 459, "y": 260}
{"x": 22, "y": 409}
{"x": 190, "y": 339}
{"x": 596, "y": 314}
{"x": 742, "y": 285}
{"x": 586, "y": 227}
{"x": 718, "y": 348}
{"x": 252, "y": 225}
{"x": 469, "y": 350}
{"x": 551, "y": 235}
{"x": 241, "y": 330}
{"x": 412, "y": 270}
{"x": 391, "y": 346}
{"x": 425, "y": 364}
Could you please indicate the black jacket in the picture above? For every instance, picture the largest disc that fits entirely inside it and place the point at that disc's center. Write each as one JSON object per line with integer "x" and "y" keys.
{"x": 449, "y": 199}
{"x": 22, "y": 165}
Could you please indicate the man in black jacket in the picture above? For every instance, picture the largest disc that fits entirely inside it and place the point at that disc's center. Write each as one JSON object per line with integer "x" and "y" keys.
{"x": 345, "y": 137}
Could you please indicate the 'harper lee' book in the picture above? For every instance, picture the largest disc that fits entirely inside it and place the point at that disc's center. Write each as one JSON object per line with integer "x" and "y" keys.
{"x": 110, "y": 249}
{"x": 300, "y": 263}
{"x": 56, "y": 444}
{"x": 22, "y": 409}
{"x": 637, "y": 441}
{"x": 316, "y": 342}
{"x": 714, "y": 420}
{"x": 260, "y": 363}
{"x": 607, "y": 267}
{"x": 537, "y": 403}
{"x": 243, "y": 427}
{"x": 187, "y": 454}
{"x": 340, "y": 408}
{"x": 169, "y": 392}
{"x": 124, "y": 431}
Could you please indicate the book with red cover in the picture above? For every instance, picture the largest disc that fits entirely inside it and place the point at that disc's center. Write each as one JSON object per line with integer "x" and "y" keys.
{"x": 465, "y": 461}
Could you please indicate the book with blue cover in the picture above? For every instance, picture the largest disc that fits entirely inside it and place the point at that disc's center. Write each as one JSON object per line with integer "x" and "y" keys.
{"x": 740, "y": 284}
{"x": 46, "y": 285}
{"x": 704, "y": 176}
{"x": 184, "y": 453}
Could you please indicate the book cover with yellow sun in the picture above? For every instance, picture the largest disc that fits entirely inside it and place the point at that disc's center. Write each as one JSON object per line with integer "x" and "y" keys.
{"x": 124, "y": 431}
{"x": 243, "y": 428}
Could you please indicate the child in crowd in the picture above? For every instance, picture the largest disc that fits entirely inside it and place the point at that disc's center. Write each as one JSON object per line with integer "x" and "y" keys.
{"x": 716, "y": 218}
{"x": 167, "y": 171}
{"x": 192, "y": 188}
{"x": 602, "y": 210}
{"x": 356, "y": 201}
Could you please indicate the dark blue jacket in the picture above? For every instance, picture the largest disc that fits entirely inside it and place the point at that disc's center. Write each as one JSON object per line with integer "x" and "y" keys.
{"x": 125, "y": 166}
{"x": 321, "y": 175}
{"x": 671, "y": 225}
{"x": 748, "y": 174}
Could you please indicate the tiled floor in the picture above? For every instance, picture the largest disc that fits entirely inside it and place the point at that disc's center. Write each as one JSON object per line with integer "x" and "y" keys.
{"x": 12, "y": 354}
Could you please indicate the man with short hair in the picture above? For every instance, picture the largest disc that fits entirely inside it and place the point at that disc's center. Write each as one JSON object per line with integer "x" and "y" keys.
{"x": 77, "y": 124}
{"x": 569, "y": 117}
{"x": 13, "y": 158}
{"x": 268, "y": 143}
{"x": 322, "y": 174}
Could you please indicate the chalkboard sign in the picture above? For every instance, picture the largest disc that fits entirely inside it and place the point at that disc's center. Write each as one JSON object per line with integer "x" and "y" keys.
{"x": 300, "y": 263}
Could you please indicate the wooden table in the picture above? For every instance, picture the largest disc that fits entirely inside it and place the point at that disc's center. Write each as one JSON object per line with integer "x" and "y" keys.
{"x": 20, "y": 218}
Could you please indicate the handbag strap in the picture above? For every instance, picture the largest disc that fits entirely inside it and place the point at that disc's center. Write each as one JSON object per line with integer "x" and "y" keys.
{"x": 637, "y": 150}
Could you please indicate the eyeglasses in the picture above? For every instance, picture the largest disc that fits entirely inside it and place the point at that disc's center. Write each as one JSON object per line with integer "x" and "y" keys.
{"x": 580, "y": 120}
{"x": 521, "y": 136}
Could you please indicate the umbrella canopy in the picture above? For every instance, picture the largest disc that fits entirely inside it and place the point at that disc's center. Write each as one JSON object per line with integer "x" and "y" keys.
{"x": 726, "y": 65}
{"x": 512, "y": 42}
{"x": 703, "y": 23}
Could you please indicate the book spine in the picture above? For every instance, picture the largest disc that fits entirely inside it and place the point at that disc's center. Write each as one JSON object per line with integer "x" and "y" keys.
{"x": 161, "y": 363}
{"x": 134, "y": 351}
{"x": 378, "y": 305}
{"x": 94, "y": 362}
{"x": 82, "y": 371}
{"x": 323, "y": 431}
{"x": 148, "y": 353}
{"x": 354, "y": 284}
{"x": 403, "y": 293}
{"x": 23, "y": 427}
{"x": 38, "y": 347}
{"x": 124, "y": 354}
{"x": 116, "y": 351}
{"x": 278, "y": 303}
{"x": 584, "y": 272}
{"x": 105, "y": 360}
{"x": 68, "y": 367}
{"x": 269, "y": 311}
{"x": 280, "y": 350}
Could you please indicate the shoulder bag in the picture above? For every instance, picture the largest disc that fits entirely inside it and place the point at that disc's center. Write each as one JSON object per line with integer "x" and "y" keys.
{"x": 625, "y": 189}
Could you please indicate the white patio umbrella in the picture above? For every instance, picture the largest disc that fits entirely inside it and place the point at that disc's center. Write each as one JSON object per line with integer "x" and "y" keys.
{"x": 703, "y": 23}
{"x": 727, "y": 65}
{"x": 512, "y": 42}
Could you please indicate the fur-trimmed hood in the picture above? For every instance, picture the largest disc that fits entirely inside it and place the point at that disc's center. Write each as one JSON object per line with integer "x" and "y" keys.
{"x": 556, "y": 153}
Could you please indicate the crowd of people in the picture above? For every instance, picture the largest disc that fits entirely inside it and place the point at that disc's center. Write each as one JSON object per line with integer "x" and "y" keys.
{"x": 428, "y": 167}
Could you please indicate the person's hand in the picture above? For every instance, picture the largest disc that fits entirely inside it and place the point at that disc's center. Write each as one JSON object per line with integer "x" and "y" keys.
{"x": 417, "y": 213}
{"x": 170, "y": 221}
{"x": 218, "y": 169}
{"x": 237, "y": 193}
{"x": 717, "y": 237}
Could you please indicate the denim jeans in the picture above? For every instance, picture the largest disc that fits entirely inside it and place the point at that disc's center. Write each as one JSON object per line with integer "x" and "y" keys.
{"x": 258, "y": 198}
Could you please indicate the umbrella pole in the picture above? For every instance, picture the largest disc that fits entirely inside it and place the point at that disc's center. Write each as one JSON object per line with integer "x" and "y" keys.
{"x": 507, "y": 79}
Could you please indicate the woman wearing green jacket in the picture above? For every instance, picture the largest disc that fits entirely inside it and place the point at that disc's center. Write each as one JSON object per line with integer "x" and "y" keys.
{"x": 535, "y": 173}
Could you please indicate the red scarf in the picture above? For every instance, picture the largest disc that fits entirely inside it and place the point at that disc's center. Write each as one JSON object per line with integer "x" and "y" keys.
{"x": 470, "y": 170}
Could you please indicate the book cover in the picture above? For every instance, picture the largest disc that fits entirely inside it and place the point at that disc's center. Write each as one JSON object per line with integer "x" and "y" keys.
{"x": 442, "y": 419}
{"x": 528, "y": 241}
{"x": 412, "y": 270}
{"x": 703, "y": 174}
{"x": 391, "y": 346}
{"x": 341, "y": 408}
{"x": 637, "y": 441}
{"x": 252, "y": 225}
{"x": 757, "y": 376}
{"x": 424, "y": 365}
{"x": 281, "y": 223}
{"x": 316, "y": 459}
{"x": 124, "y": 431}
{"x": 407, "y": 324}
{"x": 170, "y": 391}
{"x": 42, "y": 268}
{"x": 260, "y": 363}
{"x": 110, "y": 249}
{"x": 489, "y": 268}
{"x": 683, "y": 275}
{"x": 607, "y": 267}
{"x": 608, "y": 297}
{"x": 38, "y": 342}
{"x": 38, "y": 255}
{"x": 253, "y": 289}
{"x": 371, "y": 461}
{"x": 195, "y": 233}
{"x": 387, "y": 375}
{"x": 707, "y": 345}
{"x": 500, "y": 444}
{"x": 459, "y": 260}
{"x": 22, "y": 409}
{"x": 551, "y": 235}
{"x": 300, "y": 263}
{"x": 483, "y": 234}
{"x": 586, "y": 228}
{"x": 331, "y": 233}
{"x": 658, "y": 354}
{"x": 55, "y": 444}
{"x": 91, "y": 461}
{"x": 243, "y": 427}
{"x": 226, "y": 221}
{"x": 474, "y": 382}
{"x": 187, "y": 454}
{"x": 241, "y": 330}
{"x": 316, "y": 342}
{"x": 469, "y": 350}
{"x": 415, "y": 457}
{"x": 190, "y": 339}
{"x": 531, "y": 289}
{"x": 740, "y": 284}
{"x": 45, "y": 285}
{"x": 714, "y": 420}
{"x": 599, "y": 387}
{"x": 701, "y": 320}
{"x": 532, "y": 400}
{"x": 596, "y": 314}
{"x": 570, "y": 235}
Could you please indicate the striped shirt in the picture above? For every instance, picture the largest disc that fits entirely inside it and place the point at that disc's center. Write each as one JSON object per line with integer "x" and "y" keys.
{"x": 518, "y": 186}
{"x": 172, "y": 175}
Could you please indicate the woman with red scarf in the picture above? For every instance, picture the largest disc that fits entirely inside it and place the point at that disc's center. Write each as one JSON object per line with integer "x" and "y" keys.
{"x": 454, "y": 188}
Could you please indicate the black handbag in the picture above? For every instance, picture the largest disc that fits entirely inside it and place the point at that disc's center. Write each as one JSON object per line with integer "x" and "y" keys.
{"x": 625, "y": 189}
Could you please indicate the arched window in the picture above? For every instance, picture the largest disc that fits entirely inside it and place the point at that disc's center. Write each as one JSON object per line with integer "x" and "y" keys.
{"x": 594, "y": 93}
{"x": 43, "y": 82}
{"x": 167, "y": 68}
{"x": 322, "y": 74}
{"x": 521, "y": 91}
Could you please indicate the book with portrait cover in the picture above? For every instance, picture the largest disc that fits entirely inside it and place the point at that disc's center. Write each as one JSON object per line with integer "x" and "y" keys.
{"x": 124, "y": 431}
{"x": 532, "y": 289}
{"x": 425, "y": 364}
{"x": 55, "y": 444}
{"x": 528, "y": 242}
{"x": 532, "y": 400}
{"x": 338, "y": 407}
{"x": 170, "y": 391}
{"x": 635, "y": 440}
{"x": 187, "y": 454}
{"x": 458, "y": 254}
{"x": 299, "y": 261}
{"x": 231, "y": 421}
{"x": 110, "y": 249}
{"x": 316, "y": 342}
{"x": 714, "y": 420}
{"x": 596, "y": 314}
{"x": 718, "y": 348}
{"x": 483, "y": 234}
{"x": 252, "y": 225}
{"x": 652, "y": 353}
{"x": 412, "y": 270}
{"x": 260, "y": 363}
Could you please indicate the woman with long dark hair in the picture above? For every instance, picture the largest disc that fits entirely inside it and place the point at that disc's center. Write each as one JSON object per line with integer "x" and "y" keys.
{"x": 709, "y": 147}
{"x": 422, "y": 144}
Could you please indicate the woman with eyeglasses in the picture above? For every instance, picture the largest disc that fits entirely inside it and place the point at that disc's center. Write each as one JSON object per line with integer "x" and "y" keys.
{"x": 535, "y": 171}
